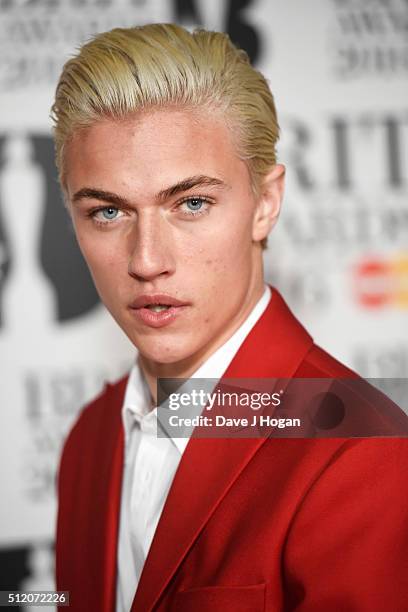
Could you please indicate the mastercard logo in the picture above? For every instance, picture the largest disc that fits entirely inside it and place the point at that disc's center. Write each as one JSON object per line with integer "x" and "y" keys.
{"x": 381, "y": 282}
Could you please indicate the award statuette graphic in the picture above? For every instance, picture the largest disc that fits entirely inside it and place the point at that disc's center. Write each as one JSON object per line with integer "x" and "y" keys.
{"x": 28, "y": 298}
{"x": 50, "y": 366}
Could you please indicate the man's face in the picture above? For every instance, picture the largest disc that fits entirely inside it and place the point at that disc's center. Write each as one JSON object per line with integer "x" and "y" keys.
{"x": 163, "y": 206}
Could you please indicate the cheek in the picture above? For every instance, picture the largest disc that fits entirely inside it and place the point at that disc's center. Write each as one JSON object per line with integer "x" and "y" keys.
{"x": 106, "y": 266}
{"x": 219, "y": 274}
{"x": 98, "y": 251}
{"x": 228, "y": 259}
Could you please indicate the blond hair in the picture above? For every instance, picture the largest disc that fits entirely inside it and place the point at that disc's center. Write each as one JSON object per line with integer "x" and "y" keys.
{"x": 127, "y": 70}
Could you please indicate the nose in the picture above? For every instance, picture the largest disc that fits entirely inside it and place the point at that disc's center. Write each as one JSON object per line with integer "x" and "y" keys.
{"x": 150, "y": 250}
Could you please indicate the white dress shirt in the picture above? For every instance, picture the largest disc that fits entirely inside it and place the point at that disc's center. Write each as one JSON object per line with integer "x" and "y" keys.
{"x": 151, "y": 462}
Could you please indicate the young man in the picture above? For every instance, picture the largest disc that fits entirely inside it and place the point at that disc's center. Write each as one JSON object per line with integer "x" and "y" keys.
{"x": 165, "y": 146}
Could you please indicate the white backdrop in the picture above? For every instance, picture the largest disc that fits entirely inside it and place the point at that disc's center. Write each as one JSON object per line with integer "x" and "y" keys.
{"x": 338, "y": 69}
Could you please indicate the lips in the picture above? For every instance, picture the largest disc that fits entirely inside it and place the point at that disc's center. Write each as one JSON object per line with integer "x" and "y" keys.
{"x": 172, "y": 308}
{"x": 162, "y": 299}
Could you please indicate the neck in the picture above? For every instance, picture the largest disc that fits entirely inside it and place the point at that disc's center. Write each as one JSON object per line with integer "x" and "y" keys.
{"x": 184, "y": 368}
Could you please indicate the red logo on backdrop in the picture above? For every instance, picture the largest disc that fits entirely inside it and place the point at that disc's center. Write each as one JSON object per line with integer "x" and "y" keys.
{"x": 380, "y": 282}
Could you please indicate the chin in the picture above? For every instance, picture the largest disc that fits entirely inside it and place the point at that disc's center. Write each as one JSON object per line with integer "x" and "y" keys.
{"x": 160, "y": 351}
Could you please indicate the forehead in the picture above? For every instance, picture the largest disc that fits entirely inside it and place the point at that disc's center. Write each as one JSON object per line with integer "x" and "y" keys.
{"x": 152, "y": 148}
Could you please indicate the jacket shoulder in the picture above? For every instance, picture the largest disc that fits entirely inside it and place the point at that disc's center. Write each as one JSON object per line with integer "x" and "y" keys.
{"x": 350, "y": 406}
{"x": 318, "y": 363}
{"x": 95, "y": 422}
{"x": 104, "y": 405}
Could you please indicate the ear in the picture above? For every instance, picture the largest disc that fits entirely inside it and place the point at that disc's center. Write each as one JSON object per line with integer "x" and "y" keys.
{"x": 269, "y": 202}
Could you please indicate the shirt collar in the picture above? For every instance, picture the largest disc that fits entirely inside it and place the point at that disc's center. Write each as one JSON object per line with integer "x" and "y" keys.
{"x": 137, "y": 404}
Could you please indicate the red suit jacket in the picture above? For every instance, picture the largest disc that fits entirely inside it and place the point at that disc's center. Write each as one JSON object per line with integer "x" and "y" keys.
{"x": 251, "y": 524}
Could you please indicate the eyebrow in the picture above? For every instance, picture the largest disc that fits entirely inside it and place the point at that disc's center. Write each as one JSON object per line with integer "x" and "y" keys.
{"x": 186, "y": 184}
{"x": 183, "y": 185}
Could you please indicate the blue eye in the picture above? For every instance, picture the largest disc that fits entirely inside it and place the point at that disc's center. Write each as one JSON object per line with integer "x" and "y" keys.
{"x": 194, "y": 204}
{"x": 105, "y": 214}
{"x": 109, "y": 213}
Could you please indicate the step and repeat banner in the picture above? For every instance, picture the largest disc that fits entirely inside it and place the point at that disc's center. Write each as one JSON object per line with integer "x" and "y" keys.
{"x": 339, "y": 254}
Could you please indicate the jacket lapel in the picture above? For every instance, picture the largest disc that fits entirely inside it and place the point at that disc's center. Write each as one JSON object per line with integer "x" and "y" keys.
{"x": 274, "y": 348}
{"x": 110, "y": 479}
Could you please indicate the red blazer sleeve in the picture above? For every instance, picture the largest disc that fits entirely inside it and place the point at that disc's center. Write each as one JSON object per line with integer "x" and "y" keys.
{"x": 347, "y": 548}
